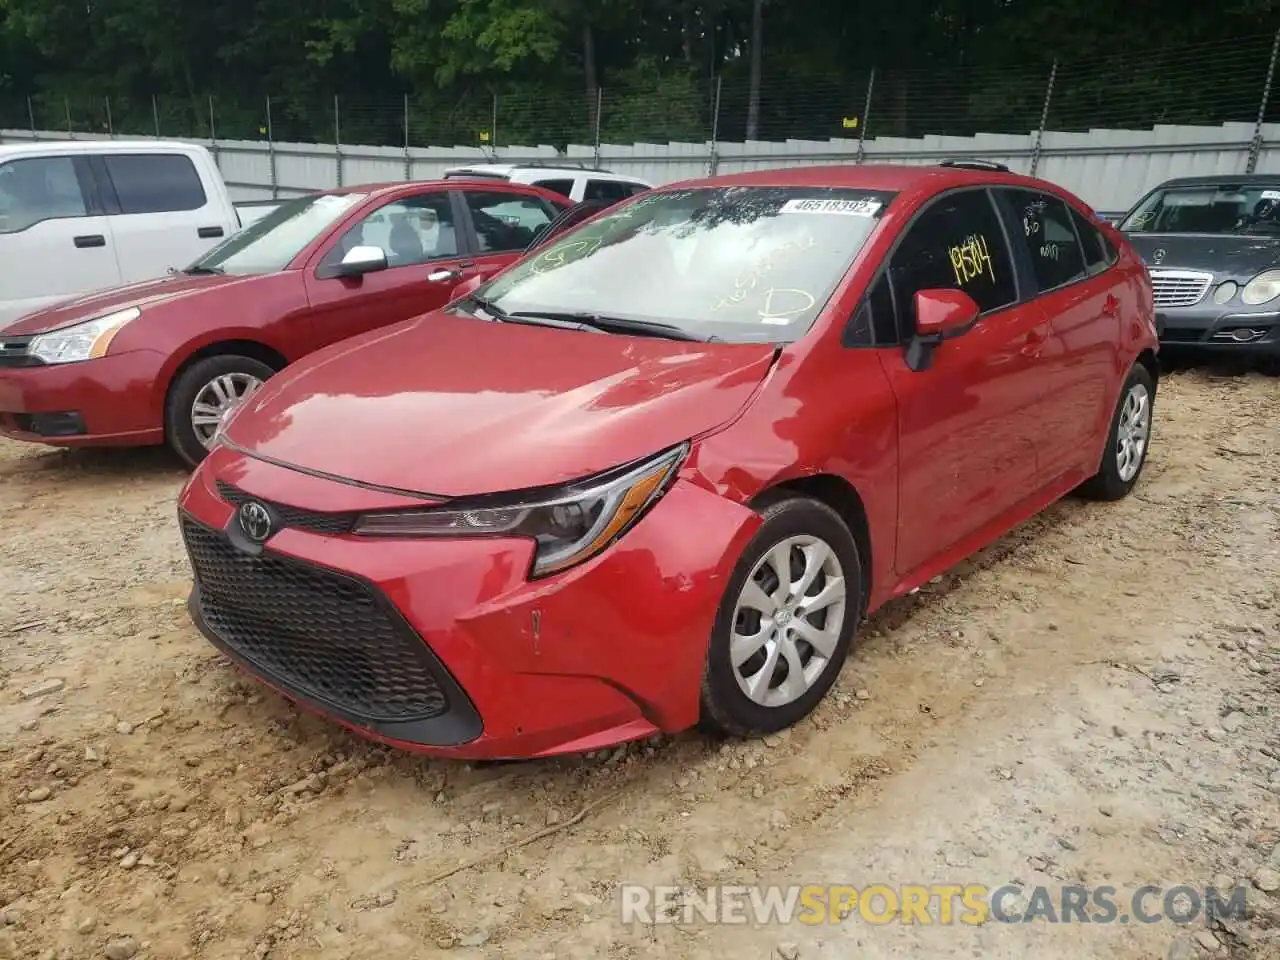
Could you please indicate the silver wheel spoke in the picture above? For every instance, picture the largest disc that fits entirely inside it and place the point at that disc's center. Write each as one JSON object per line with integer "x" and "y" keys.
{"x": 815, "y": 556}
{"x": 780, "y": 560}
{"x": 822, "y": 641}
{"x": 833, "y": 592}
{"x": 755, "y": 598}
{"x": 743, "y": 646}
{"x": 758, "y": 683}
{"x": 795, "y": 684}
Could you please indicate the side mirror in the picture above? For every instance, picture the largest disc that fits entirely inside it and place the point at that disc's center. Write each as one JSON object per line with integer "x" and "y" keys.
{"x": 465, "y": 287}
{"x": 357, "y": 262}
{"x": 940, "y": 315}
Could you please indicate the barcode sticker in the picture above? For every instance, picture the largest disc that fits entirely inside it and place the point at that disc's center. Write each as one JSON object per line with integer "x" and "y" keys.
{"x": 847, "y": 208}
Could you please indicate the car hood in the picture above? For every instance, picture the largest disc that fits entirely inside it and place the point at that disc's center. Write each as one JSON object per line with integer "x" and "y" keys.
{"x": 449, "y": 406}
{"x": 148, "y": 293}
{"x": 1227, "y": 257}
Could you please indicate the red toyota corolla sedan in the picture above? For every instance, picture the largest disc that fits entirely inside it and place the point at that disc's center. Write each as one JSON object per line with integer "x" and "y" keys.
{"x": 163, "y": 361}
{"x": 658, "y": 471}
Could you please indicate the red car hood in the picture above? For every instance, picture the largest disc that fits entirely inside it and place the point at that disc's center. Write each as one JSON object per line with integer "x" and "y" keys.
{"x": 145, "y": 294}
{"x": 449, "y": 406}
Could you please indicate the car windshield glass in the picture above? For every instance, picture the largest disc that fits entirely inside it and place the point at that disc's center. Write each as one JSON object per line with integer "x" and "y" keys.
{"x": 739, "y": 264}
{"x": 270, "y": 244}
{"x": 1216, "y": 208}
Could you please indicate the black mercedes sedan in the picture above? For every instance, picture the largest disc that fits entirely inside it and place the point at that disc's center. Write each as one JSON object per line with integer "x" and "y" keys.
{"x": 1212, "y": 245}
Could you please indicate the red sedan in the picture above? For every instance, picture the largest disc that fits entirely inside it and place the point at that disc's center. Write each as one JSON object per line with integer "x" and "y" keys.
{"x": 165, "y": 360}
{"x": 659, "y": 471}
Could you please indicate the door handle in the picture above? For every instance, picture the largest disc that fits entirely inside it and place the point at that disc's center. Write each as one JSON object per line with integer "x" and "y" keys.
{"x": 90, "y": 240}
{"x": 208, "y": 233}
{"x": 444, "y": 274}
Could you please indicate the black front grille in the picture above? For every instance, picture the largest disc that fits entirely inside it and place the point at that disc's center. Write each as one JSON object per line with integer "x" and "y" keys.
{"x": 296, "y": 517}
{"x": 327, "y": 637}
{"x": 1183, "y": 334}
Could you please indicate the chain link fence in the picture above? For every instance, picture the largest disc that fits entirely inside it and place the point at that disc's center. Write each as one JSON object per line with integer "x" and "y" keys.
{"x": 1223, "y": 81}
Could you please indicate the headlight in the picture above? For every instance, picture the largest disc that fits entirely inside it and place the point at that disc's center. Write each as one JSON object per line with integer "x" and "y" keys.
{"x": 568, "y": 526}
{"x": 82, "y": 341}
{"x": 1263, "y": 288}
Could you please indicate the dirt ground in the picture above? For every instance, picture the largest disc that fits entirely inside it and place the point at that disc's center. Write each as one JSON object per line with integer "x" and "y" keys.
{"x": 1091, "y": 701}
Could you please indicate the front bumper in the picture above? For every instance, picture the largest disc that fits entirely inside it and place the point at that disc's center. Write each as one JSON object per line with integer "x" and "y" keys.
{"x": 104, "y": 402}
{"x": 1208, "y": 326}
{"x": 444, "y": 646}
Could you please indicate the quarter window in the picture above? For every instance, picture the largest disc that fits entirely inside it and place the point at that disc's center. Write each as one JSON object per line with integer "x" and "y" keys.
{"x": 36, "y": 189}
{"x": 1046, "y": 232}
{"x": 507, "y": 222}
{"x": 956, "y": 244}
{"x": 1098, "y": 252}
{"x": 155, "y": 182}
{"x": 409, "y": 231}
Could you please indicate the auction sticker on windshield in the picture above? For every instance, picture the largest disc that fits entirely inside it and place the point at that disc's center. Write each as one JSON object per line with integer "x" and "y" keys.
{"x": 848, "y": 208}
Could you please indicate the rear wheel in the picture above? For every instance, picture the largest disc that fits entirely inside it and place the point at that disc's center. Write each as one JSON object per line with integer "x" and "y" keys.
{"x": 202, "y": 396}
{"x": 1127, "y": 441}
{"x": 785, "y": 622}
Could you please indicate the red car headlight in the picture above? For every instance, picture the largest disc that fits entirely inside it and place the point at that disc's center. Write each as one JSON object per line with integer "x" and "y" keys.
{"x": 568, "y": 525}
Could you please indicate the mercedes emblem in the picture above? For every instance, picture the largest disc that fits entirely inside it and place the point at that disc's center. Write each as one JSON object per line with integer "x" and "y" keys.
{"x": 1158, "y": 256}
{"x": 255, "y": 521}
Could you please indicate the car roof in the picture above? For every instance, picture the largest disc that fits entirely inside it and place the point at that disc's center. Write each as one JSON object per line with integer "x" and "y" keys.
{"x": 405, "y": 186}
{"x": 510, "y": 169}
{"x": 1216, "y": 179}
{"x": 871, "y": 176}
{"x": 26, "y": 148}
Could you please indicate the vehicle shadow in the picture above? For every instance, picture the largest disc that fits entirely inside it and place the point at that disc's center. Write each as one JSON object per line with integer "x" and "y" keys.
{"x": 89, "y": 465}
{"x": 1185, "y": 359}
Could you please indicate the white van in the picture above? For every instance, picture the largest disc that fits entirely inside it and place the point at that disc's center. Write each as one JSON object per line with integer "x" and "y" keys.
{"x": 78, "y": 216}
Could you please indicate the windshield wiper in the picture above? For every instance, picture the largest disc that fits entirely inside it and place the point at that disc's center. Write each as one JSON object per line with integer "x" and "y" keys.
{"x": 529, "y": 319}
{"x": 198, "y": 269}
{"x": 596, "y": 321}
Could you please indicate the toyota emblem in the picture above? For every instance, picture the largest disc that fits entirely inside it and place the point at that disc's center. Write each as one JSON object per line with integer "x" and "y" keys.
{"x": 255, "y": 521}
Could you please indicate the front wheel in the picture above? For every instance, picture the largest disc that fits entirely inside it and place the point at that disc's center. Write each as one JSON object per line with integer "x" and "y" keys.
{"x": 203, "y": 395}
{"x": 1127, "y": 441}
{"x": 785, "y": 622}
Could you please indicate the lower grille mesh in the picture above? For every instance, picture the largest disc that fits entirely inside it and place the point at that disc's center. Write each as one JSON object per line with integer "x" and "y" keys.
{"x": 314, "y": 632}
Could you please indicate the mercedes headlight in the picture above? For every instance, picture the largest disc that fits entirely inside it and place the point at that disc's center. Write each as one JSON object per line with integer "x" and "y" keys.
{"x": 81, "y": 341}
{"x": 1263, "y": 288}
{"x": 568, "y": 526}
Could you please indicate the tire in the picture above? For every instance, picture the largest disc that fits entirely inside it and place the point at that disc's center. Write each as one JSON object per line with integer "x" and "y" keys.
{"x": 180, "y": 428}
{"x": 1118, "y": 474}
{"x": 726, "y": 706}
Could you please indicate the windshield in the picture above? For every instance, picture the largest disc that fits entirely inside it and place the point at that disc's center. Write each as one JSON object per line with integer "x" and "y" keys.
{"x": 1218, "y": 208}
{"x": 739, "y": 264}
{"x": 270, "y": 244}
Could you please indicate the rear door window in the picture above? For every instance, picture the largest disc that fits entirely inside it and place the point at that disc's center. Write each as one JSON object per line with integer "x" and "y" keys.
{"x": 609, "y": 190}
{"x": 956, "y": 244}
{"x": 35, "y": 189}
{"x": 507, "y": 221}
{"x": 155, "y": 182}
{"x": 562, "y": 187}
{"x": 1045, "y": 230}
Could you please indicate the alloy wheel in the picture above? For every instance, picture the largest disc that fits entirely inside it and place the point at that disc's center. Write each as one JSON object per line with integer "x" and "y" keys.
{"x": 1133, "y": 431}
{"x": 216, "y": 399}
{"x": 788, "y": 620}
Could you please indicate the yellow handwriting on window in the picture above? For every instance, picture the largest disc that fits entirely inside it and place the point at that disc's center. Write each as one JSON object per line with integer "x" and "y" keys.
{"x": 776, "y": 308}
{"x": 568, "y": 253}
{"x": 970, "y": 258}
{"x": 748, "y": 281}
